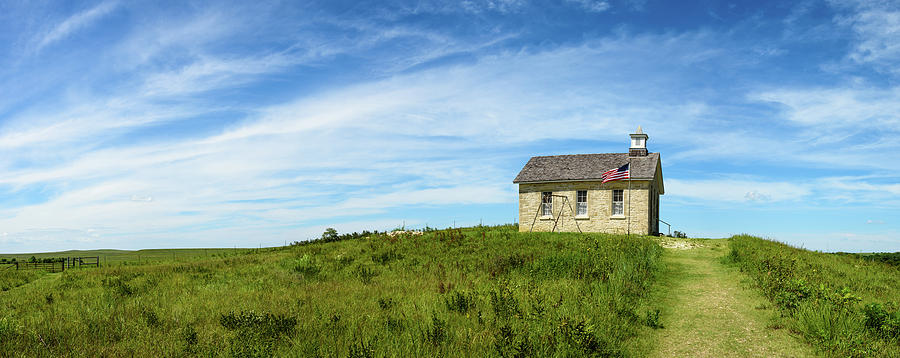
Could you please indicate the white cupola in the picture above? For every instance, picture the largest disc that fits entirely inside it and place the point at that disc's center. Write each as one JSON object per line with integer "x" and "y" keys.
{"x": 638, "y": 144}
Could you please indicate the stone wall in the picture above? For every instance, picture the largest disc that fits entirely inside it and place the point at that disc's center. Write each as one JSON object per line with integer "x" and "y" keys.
{"x": 599, "y": 199}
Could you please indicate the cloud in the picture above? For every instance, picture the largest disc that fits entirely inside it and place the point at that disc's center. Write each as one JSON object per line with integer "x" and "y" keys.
{"x": 141, "y": 198}
{"x": 839, "y": 109}
{"x": 756, "y": 196}
{"x": 875, "y": 222}
{"x": 592, "y": 5}
{"x": 74, "y": 23}
{"x": 727, "y": 190}
{"x": 876, "y": 25}
{"x": 225, "y": 123}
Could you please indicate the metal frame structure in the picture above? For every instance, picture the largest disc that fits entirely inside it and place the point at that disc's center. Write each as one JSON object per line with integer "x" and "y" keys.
{"x": 667, "y": 224}
{"x": 565, "y": 204}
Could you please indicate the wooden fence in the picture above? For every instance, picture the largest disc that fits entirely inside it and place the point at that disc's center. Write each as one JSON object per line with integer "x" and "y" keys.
{"x": 56, "y": 266}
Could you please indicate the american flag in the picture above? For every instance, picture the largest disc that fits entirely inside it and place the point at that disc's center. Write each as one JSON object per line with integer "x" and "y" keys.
{"x": 616, "y": 174}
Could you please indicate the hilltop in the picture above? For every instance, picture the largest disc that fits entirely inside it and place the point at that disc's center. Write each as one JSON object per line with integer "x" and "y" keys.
{"x": 481, "y": 291}
{"x": 484, "y": 291}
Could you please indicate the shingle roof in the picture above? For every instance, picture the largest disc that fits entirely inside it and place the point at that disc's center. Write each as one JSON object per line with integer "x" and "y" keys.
{"x": 584, "y": 167}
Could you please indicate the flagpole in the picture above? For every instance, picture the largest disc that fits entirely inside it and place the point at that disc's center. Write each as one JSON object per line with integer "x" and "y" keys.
{"x": 629, "y": 195}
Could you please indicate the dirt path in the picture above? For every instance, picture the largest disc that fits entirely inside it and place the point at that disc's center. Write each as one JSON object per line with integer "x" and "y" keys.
{"x": 709, "y": 312}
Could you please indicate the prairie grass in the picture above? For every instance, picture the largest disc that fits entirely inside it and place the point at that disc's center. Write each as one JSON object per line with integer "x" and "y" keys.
{"x": 135, "y": 257}
{"x": 485, "y": 291}
{"x": 844, "y": 305}
{"x": 11, "y": 278}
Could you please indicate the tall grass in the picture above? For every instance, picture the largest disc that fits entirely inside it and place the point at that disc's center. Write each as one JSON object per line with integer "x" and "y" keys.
{"x": 843, "y": 305}
{"x": 488, "y": 291}
{"x": 11, "y": 278}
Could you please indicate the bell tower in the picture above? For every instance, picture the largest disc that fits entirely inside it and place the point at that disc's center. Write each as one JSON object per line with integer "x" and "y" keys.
{"x": 638, "y": 144}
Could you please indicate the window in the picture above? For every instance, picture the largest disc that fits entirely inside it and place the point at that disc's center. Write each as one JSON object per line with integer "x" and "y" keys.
{"x": 547, "y": 203}
{"x": 581, "y": 203}
{"x": 618, "y": 202}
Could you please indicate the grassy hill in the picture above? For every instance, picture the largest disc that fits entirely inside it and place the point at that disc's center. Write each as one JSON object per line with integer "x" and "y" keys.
{"x": 478, "y": 291}
{"x": 844, "y": 305}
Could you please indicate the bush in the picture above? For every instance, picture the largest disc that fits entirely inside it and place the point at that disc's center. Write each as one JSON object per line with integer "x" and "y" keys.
{"x": 460, "y": 302}
{"x": 882, "y": 322}
{"x": 437, "y": 332}
{"x": 257, "y": 334}
{"x": 386, "y": 256}
{"x": 651, "y": 319}
{"x": 504, "y": 303}
{"x": 306, "y": 267}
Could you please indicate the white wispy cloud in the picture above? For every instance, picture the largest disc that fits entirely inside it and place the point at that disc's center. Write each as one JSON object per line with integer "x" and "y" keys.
{"x": 727, "y": 190}
{"x": 369, "y": 133}
{"x": 876, "y": 25}
{"x": 74, "y": 23}
{"x": 838, "y": 110}
{"x": 406, "y": 131}
{"x": 592, "y": 5}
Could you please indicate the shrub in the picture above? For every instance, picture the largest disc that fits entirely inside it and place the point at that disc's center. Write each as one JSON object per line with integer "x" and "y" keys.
{"x": 9, "y": 329}
{"x": 365, "y": 274}
{"x": 581, "y": 335}
{"x": 504, "y": 303}
{"x": 882, "y": 322}
{"x": 460, "y": 302}
{"x": 384, "y": 257}
{"x": 651, "y": 319}
{"x": 118, "y": 285}
{"x": 386, "y": 303}
{"x": 437, "y": 332}
{"x": 257, "y": 334}
{"x": 506, "y": 263}
{"x": 508, "y": 344}
{"x": 306, "y": 267}
{"x": 360, "y": 349}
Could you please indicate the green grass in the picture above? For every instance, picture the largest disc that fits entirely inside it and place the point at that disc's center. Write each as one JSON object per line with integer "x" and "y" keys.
{"x": 708, "y": 311}
{"x": 474, "y": 292}
{"x": 131, "y": 257}
{"x": 11, "y": 278}
{"x": 843, "y": 305}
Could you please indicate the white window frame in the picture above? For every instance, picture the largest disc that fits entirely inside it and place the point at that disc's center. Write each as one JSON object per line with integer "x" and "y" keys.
{"x": 547, "y": 203}
{"x": 581, "y": 203}
{"x": 618, "y": 207}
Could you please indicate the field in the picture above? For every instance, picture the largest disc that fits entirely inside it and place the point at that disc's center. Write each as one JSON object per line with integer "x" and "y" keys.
{"x": 125, "y": 257}
{"x": 484, "y": 291}
{"x": 843, "y": 305}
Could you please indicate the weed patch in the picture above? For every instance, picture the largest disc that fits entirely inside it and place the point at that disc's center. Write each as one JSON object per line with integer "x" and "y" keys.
{"x": 306, "y": 267}
{"x": 257, "y": 334}
{"x": 460, "y": 302}
{"x": 836, "y": 301}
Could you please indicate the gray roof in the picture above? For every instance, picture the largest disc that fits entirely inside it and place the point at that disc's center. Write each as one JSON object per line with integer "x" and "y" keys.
{"x": 585, "y": 167}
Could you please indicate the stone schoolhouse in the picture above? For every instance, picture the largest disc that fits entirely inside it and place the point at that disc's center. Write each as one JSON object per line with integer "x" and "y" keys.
{"x": 567, "y": 193}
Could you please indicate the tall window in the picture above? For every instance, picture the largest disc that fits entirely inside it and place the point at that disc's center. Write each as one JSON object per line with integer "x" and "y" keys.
{"x": 547, "y": 203}
{"x": 618, "y": 202}
{"x": 581, "y": 203}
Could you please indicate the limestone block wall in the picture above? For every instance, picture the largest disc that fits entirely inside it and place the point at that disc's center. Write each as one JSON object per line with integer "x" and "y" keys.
{"x": 599, "y": 217}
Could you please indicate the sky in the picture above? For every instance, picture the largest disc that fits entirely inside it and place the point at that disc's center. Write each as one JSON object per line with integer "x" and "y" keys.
{"x": 151, "y": 124}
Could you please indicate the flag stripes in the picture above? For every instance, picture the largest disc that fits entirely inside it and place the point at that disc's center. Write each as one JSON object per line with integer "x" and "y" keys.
{"x": 616, "y": 174}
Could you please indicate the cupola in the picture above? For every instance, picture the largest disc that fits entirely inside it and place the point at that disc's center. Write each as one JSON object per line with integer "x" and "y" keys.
{"x": 638, "y": 144}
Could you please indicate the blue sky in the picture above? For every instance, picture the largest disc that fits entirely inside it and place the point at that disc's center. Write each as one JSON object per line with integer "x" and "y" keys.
{"x": 145, "y": 124}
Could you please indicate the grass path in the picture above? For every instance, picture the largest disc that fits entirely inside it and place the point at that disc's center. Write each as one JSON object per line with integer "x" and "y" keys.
{"x": 709, "y": 312}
